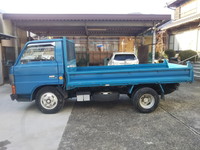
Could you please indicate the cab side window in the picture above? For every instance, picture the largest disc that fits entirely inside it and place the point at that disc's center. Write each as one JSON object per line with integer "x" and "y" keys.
{"x": 38, "y": 53}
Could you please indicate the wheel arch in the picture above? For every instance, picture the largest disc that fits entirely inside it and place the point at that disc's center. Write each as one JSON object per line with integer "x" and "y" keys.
{"x": 165, "y": 89}
{"x": 156, "y": 87}
{"x": 34, "y": 93}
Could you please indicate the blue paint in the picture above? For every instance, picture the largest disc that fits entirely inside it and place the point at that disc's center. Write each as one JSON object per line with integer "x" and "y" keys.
{"x": 28, "y": 77}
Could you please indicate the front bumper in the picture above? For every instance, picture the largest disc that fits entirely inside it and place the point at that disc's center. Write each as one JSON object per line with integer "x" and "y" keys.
{"x": 13, "y": 96}
{"x": 20, "y": 98}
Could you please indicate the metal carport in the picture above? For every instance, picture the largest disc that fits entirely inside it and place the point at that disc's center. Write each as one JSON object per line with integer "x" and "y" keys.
{"x": 89, "y": 24}
{"x": 86, "y": 24}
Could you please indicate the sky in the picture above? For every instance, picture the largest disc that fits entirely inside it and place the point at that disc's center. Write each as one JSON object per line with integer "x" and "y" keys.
{"x": 85, "y": 6}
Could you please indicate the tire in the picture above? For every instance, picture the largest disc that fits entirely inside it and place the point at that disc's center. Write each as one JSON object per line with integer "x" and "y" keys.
{"x": 145, "y": 100}
{"x": 48, "y": 100}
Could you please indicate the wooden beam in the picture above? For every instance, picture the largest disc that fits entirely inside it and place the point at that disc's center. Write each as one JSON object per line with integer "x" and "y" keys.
{"x": 82, "y": 23}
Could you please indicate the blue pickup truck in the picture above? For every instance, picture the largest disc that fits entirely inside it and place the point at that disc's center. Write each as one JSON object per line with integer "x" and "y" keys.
{"x": 46, "y": 72}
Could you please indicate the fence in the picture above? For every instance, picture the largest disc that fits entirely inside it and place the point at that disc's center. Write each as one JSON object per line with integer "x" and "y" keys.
{"x": 92, "y": 58}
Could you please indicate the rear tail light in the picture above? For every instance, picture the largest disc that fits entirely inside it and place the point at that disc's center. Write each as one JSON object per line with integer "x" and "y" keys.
{"x": 13, "y": 89}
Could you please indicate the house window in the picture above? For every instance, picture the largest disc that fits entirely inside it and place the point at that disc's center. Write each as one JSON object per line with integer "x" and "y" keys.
{"x": 177, "y": 13}
{"x": 103, "y": 44}
{"x": 171, "y": 42}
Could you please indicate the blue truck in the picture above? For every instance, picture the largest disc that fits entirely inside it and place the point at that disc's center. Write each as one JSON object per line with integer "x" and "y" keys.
{"x": 46, "y": 72}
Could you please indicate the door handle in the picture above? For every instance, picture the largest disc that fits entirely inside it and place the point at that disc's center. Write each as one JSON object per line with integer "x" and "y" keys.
{"x": 52, "y": 76}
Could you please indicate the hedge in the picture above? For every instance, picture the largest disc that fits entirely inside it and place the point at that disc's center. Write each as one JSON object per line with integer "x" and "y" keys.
{"x": 187, "y": 54}
{"x": 170, "y": 53}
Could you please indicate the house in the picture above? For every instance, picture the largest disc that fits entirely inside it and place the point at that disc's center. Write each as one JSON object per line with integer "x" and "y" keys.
{"x": 183, "y": 32}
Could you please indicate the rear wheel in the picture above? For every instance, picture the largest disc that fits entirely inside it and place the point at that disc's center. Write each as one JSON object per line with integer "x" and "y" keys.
{"x": 49, "y": 100}
{"x": 145, "y": 100}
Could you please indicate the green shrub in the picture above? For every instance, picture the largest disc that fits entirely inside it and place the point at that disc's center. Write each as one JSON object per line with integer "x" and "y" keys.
{"x": 187, "y": 54}
{"x": 170, "y": 53}
{"x": 156, "y": 55}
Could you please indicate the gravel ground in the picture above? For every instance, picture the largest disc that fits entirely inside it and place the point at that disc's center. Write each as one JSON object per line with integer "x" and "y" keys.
{"x": 116, "y": 125}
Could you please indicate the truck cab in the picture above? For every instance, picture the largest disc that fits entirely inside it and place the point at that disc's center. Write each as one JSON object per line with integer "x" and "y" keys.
{"x": 39, "y": 64}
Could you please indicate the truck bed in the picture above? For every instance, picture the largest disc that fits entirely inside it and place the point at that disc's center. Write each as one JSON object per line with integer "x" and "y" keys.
{"x": 128, "y": 75}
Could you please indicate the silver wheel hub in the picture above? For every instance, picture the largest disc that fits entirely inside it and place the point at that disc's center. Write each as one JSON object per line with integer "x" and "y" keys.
{"x": 49, "y": 100}
{"x": 147, "y": 101}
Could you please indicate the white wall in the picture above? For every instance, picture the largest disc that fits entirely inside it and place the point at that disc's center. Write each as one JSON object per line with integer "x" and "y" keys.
{"x": 187, "y": 40}
{"x": 198, "y": 6}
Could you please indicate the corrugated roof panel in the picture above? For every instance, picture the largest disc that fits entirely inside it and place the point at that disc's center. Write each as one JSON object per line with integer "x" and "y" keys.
{"x": 87, "y": 17}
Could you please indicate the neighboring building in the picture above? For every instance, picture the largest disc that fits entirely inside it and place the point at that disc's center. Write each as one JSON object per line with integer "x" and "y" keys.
{"x": 183, "y": 33}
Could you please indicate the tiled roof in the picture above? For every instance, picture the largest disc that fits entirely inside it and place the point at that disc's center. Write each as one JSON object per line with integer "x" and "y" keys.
{"x": 175, "y": 3}
{"x": 5, "y": 36}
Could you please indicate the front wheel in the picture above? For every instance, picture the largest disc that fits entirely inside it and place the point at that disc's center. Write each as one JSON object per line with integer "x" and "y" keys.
{"x": 49, "y": 100}
{"x": 145, "y": 100}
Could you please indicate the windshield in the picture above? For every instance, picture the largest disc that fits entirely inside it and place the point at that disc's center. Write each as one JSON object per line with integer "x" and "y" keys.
{"x": 38, "y": 53}
{"x": 122, "y": 57}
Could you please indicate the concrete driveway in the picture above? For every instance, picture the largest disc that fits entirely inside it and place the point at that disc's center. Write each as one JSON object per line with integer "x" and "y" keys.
{"x": 103, "y": 125}
{"x": 23, "y": 127}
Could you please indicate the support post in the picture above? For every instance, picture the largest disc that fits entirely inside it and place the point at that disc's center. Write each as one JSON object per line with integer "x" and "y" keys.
{"x": 29, "y": 35}
{"x": 154, "y": 45}
{"x": 87, "y": 52}
{"x": 142, "y": 39}
{"x": 135, "y": 45}
{"x": 197, "y": 45}
{"x": 1, "y": 66}
{"x": 16, "y": 42}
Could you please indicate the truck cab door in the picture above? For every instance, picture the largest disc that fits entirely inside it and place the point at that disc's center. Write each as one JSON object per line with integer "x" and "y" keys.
{"x": 36, "y": 66}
